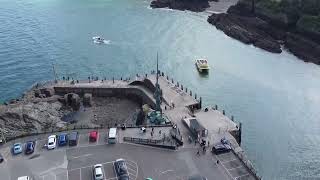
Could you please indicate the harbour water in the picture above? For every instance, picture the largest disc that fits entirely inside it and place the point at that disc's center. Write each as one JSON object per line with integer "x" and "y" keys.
{"x": 275, "y": 96}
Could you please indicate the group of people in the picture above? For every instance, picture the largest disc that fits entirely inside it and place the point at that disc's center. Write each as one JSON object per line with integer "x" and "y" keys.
{"x": 203, "y": 145}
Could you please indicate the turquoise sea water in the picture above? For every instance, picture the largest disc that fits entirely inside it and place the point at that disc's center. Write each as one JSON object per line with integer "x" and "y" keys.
{"x": 276, "y": 96}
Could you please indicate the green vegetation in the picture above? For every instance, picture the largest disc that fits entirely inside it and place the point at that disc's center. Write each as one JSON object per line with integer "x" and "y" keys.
{"x": 309, "y": 23}
{"x": 309, "y": 10}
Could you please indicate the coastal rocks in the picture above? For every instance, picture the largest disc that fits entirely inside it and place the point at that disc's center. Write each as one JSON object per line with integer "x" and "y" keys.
{"x": 249, "y": 30}
{"x": 191, "y": 5}
{"x": 87, "y": 99}
{"x": 303, "y": 48}
{"x": 19, "y": 119}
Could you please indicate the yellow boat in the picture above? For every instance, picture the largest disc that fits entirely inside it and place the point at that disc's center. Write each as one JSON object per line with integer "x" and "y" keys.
{"x": 202, "y": 65}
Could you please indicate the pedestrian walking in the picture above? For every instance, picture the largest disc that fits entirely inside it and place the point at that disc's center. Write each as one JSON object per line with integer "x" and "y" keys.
{"x": 198, "y": 152}
{"x": 218, "y": 161}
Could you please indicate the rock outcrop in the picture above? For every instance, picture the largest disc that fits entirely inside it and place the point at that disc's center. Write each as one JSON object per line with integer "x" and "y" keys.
{"x": 87, "y": 99}
{"x": 249, "y": 30}
{"x": 191, "y": 5}
{"x": 25, "y": 118}
{"x": 72, "y": 100}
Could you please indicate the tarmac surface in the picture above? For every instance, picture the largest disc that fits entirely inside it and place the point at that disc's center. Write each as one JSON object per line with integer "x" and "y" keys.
{"x": 75, "y": 163}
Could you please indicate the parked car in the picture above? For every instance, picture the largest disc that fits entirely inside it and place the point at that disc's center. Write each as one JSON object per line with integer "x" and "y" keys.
{"x": 30, "y": 145}
{"x": 93, "y": 136}
{"x": 221, "y": 148}
{"x": 98, "y": 172}
{"x": 52, "y": 141}
{"x": 24, "y": 178}
{"x": 1, "y": 158}
{"x": 73, "y": 138}
{"x": 121, "y": 169}
{"x": 17, "y": 148}
{"x": 63, "y": 139}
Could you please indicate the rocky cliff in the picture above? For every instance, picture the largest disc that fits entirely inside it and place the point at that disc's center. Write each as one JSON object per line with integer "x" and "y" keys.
{"x": 26, "y": 117}
{"x": 191, "y": 5}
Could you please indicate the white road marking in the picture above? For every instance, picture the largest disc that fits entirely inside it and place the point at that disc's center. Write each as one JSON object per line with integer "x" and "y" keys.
{"x": 224, "y": 168}
{"x": 235, "y": 168}
{"x": 169, "y": 170}
{"x": 241, "y": 176}
{"x": 228, "y": 161}
{"x": 90, "y": 166}
{"x": 85, "y": 155}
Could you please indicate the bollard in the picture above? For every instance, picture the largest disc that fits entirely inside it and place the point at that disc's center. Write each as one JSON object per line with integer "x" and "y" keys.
{"x": 146, "y": 75}
{"x": 172, "y": 80}
{"x": 216, "y": 107}
{"x": 200, "y": 103}
{"x": 177, "y": 84}
{"x": 162, "y": 74}
{"x": 167, "y": 78}
{"x": 195, "y": 95}
{"x": 121, "y": 78}
{"x": 190, "y": 93}
{"x": 181, "y": 87}
{"x": 186, "y": 90}
{"x": 223, "y": 112}
{"x": 232, "y": 118}
{"x": 113, "y": 80}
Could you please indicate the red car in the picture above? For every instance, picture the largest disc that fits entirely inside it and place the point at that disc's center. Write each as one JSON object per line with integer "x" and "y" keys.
{"x": 93, "y": 136}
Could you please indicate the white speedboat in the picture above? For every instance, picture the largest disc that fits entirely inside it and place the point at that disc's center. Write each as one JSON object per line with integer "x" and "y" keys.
{"x": 98, "y": 39}
{"x": 202, "y": 65}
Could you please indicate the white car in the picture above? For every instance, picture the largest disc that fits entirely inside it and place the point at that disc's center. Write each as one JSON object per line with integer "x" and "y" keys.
{"x": 98, "y": 172}
{"x": 52, "y": 142}
{"x": 24, "y": 178}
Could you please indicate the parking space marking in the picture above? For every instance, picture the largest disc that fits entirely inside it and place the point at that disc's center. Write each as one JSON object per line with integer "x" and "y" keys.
{"x": 85, "y": 155}
{"x": 228, "y": 161}
{"x": 238, "y": 177}
{"x": 235, "y": 168}
{"x": 225, "y": 168}
{"x": 90, "y": 166}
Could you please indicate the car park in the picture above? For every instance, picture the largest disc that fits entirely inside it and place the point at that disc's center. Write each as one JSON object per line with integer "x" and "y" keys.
{"x": 221, "y": 148}
{"x": 30, "y": 145}
{"x": 98, "y": 172}
{"x": 52, "y": 142}
{"x": 1, "y": 158}
{"x": 63, "y": 139}
{"x": 73, "y": 138}
{"x": 93, "y": 136}
{"x": 121, "y": 169}
{"x": 17, "y": 148}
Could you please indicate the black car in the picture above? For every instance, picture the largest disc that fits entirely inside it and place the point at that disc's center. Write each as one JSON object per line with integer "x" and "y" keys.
{"x": 221, "y": 148}
{"x": 30, "y": 145}
{"x": 1, "y": 158}
{"x": 73, "y": 138}
{"x": 121, "y": 169}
